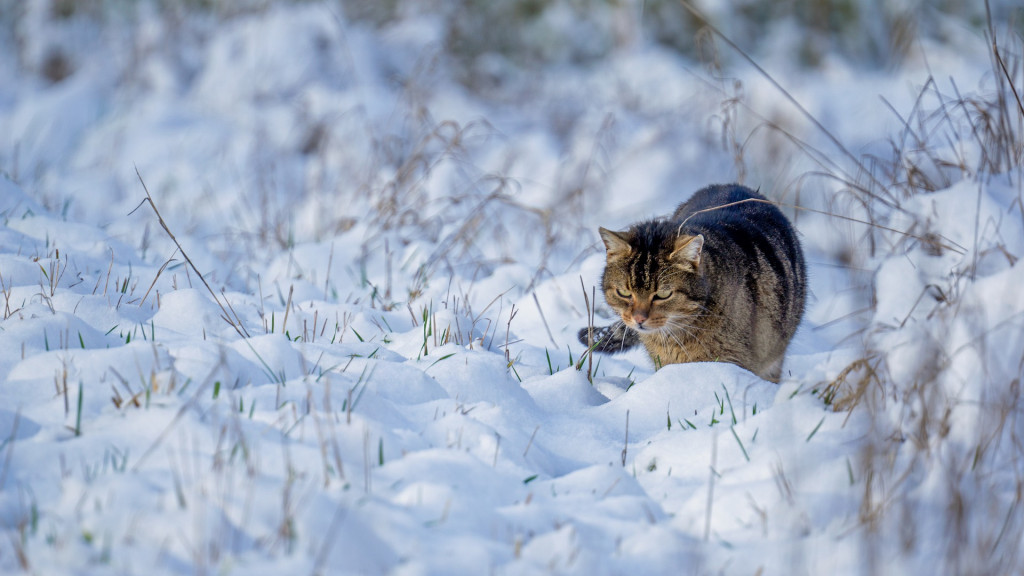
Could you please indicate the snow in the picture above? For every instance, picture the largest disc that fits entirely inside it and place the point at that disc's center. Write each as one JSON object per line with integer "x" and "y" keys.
{"x": 372, "y": 365}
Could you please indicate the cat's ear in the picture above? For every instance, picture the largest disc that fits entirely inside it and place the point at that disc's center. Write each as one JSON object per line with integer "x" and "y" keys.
{"x": 687, "y": 252}
{"x": 617, "y": 243}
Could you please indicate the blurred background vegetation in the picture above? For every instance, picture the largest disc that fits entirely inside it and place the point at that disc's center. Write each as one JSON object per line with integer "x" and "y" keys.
{"x": 495, "y": 38}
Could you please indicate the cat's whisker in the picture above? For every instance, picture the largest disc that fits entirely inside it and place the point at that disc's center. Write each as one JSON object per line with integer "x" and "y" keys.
{"x": 688, "y": 331}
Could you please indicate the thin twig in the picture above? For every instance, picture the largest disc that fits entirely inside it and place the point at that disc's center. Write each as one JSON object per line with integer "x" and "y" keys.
{"x": 711, "y": 486}
{"x": 999, "y": 59}
{"x": 542, "y": 319}
{"x": 785, "y": 93}
{"x": 952, "y": 246}
{"x": 625, "y": 445}
{"x": 590, "y": 335}
{"x": 530, "y": 443}
{"x": 508, "y": 330}
{"x": 149, "y": 198}
{"x": 287, "y": 309}
{"x": 157, "y": 277}
{"x": 327, "y": 278}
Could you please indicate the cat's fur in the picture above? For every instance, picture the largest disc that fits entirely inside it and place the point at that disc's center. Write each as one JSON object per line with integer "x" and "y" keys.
{"x": 725, "y": 284}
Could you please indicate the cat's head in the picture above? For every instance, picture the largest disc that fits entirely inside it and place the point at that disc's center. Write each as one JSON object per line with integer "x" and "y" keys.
{"x": 650, "y": 275}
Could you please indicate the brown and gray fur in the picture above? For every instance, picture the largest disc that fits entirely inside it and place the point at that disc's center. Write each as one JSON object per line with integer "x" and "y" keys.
{"x": 708, "y": 283}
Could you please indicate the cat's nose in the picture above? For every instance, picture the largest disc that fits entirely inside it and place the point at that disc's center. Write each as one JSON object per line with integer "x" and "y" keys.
{"x": 639, "y": 318}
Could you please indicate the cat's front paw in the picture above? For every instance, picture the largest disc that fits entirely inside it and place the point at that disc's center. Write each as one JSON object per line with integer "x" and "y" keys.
{"x": 616, "y": 337}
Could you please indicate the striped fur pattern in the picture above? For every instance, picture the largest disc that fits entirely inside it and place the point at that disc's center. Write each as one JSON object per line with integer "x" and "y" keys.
{"x": 709, "y": 283}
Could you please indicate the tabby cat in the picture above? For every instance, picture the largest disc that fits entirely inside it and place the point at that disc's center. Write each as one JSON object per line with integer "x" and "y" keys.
{"x": 722, "y": 279}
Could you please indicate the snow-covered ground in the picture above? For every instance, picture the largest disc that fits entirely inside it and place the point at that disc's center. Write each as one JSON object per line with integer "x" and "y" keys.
{"x": 341, "y": 337}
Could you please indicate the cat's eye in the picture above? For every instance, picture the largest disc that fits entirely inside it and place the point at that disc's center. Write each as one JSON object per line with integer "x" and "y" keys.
{"x": 663, "y": 295}
{"x": 624, "y": 293}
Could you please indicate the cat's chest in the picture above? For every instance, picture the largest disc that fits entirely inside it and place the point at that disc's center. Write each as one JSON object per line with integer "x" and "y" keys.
{"x": 680, "y": 346}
